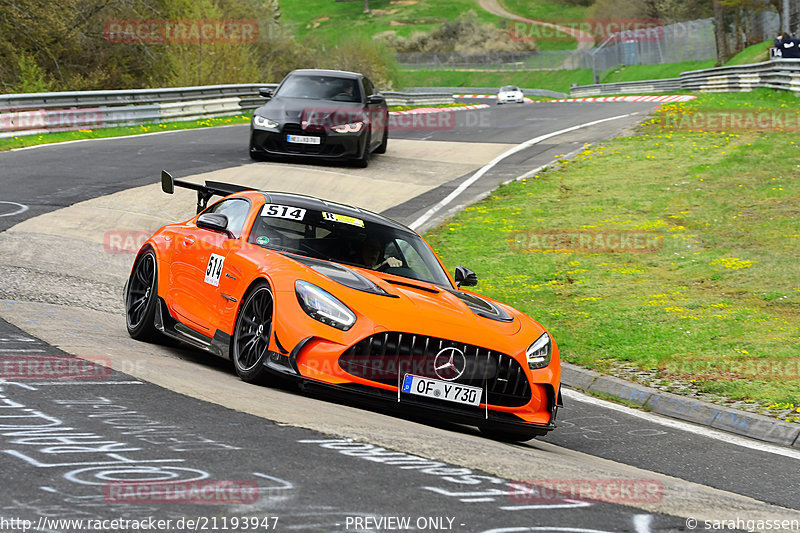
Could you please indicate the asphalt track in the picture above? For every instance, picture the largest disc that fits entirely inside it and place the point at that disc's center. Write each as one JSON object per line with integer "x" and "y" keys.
{"x": 295, "y": 446}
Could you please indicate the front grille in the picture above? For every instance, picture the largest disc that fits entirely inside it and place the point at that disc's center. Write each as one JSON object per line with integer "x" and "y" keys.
{"x": 386, "y": 357}
{"x": 310, "y": 149}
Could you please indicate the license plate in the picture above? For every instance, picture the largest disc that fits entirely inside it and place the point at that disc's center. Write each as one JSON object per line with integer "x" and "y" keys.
{"x": 441, "y": 390}
{"x": 303, "y": 139}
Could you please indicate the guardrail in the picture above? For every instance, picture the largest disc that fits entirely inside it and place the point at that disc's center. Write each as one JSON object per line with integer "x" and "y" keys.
{"x": 36, "y": 113}
{"x": 782, "y": 74}
{"x": 631, "y": 87}
{"x": 483, "y": 90}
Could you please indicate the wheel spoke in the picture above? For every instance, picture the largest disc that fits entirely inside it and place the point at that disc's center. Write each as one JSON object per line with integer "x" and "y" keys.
{"x": 253, "y": 330}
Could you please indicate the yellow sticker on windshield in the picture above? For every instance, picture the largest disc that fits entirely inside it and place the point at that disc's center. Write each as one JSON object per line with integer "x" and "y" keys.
{"x": 344, "y": 219}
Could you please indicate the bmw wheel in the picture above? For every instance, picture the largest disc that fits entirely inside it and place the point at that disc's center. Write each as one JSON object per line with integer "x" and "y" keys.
{"x": 141, "y": 298}
{"x": 252, "y": 333}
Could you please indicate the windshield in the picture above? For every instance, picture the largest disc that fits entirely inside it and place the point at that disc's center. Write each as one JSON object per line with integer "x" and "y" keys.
{"x": 347, "y": 240}
{"x": 318, "y": 87}
{"x": 509, "y": 88}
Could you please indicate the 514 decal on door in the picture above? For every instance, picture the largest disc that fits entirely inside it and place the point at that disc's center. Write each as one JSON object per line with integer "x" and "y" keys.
{"x": 214, "y": 269}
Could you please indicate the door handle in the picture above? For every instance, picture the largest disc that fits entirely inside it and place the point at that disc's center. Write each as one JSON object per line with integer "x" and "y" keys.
{"x": 188, "y": 241}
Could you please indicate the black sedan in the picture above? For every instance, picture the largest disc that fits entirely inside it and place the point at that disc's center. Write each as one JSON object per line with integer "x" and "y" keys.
{"x": 324, "y": 114}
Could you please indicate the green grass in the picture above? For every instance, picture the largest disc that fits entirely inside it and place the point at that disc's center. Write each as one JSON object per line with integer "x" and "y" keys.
{"x": 554, "y": 80}
{"x": 718, "y": 297}
{"x": 547, "y": 10}
{"x": 327, "y": 21}
{"x": 752, "y": 54}
{"x": 47, "y": 138}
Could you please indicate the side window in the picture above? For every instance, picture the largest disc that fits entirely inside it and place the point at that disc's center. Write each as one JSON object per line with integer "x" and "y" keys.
{"x": 369, "y": 89}
{"x": 236, "y": 209}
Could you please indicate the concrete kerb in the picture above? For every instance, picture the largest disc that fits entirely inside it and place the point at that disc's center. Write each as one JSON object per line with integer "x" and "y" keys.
{"x": 743, "y": 423}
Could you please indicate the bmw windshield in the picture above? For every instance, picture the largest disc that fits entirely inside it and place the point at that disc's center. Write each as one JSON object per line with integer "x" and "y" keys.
{"x": 319, "y": 87}
{"x": 347, "y": 240}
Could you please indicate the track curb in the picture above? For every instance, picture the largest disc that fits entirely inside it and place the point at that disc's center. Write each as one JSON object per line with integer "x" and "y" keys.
{"x": 752, "y": 425}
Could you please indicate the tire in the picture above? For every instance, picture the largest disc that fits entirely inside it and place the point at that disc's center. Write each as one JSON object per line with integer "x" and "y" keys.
{"x": 141, "y": 298}
{"x": 509, "y": 435}
{"x": 363, "y": 161}
{"x": 384, "y": 143}
{"x": 252, "y": 333}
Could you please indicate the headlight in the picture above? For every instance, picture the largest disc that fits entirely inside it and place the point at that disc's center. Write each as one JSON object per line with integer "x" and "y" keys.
{"x": 322, "y": 306}
{"x": 539, "y": 352}
{"x": 265, "y": 123}
{"x": 353, "y": 127}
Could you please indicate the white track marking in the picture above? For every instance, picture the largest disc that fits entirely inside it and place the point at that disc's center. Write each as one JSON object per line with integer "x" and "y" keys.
{"x": 85, "y": 382}
{"x": 703, "y": 431}
{"x": 480, "y": 173}
{"x": 642, "y": 522}
{"x": 21, "y": 208}
{"x": 134, "y": 136}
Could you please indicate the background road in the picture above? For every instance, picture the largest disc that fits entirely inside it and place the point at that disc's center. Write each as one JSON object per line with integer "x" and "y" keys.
{"x": 315, "y": 485}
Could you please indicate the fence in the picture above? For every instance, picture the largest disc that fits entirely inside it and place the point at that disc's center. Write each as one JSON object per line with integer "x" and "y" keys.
{"x": 685, "y": 41}
{"x": 782, "y": 74}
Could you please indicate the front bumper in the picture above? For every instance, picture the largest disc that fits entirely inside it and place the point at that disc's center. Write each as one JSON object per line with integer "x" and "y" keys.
{"x": 315, "y": 364}
{"x": 331, "y": 146}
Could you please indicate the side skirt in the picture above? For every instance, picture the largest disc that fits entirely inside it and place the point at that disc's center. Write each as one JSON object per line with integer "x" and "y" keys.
{"x": 218, "y": 345}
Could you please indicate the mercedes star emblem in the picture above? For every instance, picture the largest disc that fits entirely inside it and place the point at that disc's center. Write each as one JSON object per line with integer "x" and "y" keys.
{"x": 450, "y": 364}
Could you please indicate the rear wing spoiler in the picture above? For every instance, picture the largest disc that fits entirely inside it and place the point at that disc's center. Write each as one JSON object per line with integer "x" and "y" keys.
{"x": 204, "y": 192}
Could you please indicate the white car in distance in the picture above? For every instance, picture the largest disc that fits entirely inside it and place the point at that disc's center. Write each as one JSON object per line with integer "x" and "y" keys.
{"x": 510, "y": 94}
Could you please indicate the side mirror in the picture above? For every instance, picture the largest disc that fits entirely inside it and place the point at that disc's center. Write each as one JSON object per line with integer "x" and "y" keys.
{"x": 265, "y": 93}
{"x": 167, "y": 182}
{"x": 376, "y": 99}
{"x": 214, "y": 222}
{"x": 465, "y": 277}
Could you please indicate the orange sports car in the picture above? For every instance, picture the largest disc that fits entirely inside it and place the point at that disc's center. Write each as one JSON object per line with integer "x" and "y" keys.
{"x": 339, "y": 297}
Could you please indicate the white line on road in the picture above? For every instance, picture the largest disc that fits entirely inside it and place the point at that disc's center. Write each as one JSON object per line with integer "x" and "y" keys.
{"x": 480, "y": 173}
{"x": 21, "y": 208}
{"x": 86, "y": 382}
{"x": 703, "y": 431}
{"x": 62, "y": 143}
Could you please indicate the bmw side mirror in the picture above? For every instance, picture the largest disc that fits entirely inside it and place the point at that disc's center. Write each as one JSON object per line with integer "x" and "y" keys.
{"x": 376, "y": 99}
{"x": 214, "y": 222}
{"x": 465, "y": 277}
{"x": 265, "y": 92}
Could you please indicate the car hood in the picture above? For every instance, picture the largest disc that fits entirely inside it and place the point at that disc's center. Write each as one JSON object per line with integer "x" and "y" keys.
{"x": 395, "y": 303}
{"x": 297, "y": 109}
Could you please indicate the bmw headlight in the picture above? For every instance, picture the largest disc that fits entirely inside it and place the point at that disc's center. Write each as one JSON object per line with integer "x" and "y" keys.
{"x": 321, "y": 305}
{"x": 264, "y": 123}
{"x": 353, "y": 127}
{"x": 538, "y": 353}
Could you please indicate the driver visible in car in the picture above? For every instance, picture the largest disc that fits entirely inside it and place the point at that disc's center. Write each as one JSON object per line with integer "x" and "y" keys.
{"x": 372, "y": 251}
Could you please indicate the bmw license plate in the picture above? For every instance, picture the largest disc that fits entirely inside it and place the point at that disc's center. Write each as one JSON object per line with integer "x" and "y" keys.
{"x": 441, "y": 390}
{"x": 303, "y": 139}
